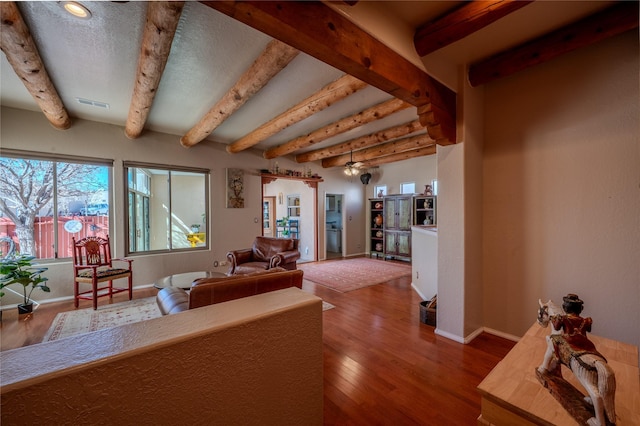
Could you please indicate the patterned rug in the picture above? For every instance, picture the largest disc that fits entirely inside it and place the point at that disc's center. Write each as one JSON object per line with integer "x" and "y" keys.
{"x": 352, "y": 274}
{"x": 70, "y": 323}
{"x": 67, "y": 324}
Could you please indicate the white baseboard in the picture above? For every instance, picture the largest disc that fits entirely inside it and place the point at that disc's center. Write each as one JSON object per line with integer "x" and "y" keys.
{"x": 473, "y": 335}
{"x": 417, "y": 290}
{"x": 476, "y": 333}
{"x": 502, "y": 334}
{"x": 459, "y": 339}
{"x": 449, "y": 336}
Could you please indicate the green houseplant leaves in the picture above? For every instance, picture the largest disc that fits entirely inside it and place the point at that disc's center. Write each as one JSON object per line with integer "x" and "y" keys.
{"x": 20, "y": 270}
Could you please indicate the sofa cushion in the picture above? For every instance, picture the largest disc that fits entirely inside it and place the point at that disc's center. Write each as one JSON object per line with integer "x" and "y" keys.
{"x": 251, "y": 268}
{"x": 265, "y": 247}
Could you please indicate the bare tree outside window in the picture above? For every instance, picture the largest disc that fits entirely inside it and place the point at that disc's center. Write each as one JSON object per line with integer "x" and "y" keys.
{"x": 37, "y": 188}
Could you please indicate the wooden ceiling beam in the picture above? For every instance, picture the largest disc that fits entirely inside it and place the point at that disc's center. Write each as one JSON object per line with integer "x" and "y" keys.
{"x": 465, "y": 20}
{"x": 21, "y": 52}
{"x": 327, "y": 35}
{"x": 381, "y": 150}
{"x": 401, "y": 156}
{"x": 374, "y": 113}
{"x": 325, "y": 97}
{"x": 159, "y": 30}
{"x": 273, "y": 59}
{"x": 361, "y": 142}
{"x": 610, "y": 22}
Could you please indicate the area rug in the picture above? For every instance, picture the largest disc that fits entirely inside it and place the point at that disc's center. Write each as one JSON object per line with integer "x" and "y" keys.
{"x": 70, "y": 323}
{"x": 67, "y": 324}
{"x": 352, "y": 274}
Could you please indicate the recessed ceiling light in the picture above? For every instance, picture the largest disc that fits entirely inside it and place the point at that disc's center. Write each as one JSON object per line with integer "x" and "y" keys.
{"x": 76, "y": 9}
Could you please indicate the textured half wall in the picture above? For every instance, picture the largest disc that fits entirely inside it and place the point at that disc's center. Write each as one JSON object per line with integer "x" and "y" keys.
{"x": 256, "y": 360}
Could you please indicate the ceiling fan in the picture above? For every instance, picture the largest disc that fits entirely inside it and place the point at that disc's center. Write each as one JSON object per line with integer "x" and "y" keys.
{"x": 351, "y": 168}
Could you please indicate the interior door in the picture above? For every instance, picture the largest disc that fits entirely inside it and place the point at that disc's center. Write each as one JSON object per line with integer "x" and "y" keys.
{"x": 268, "y": 216}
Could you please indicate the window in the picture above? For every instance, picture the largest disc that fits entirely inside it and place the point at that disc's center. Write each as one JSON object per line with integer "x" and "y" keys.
{"x": 408, "y": 188}
{"x": 166, "y": 208}
{"x": 293, "y": 206}
{"x": 380, "y": 191}
{"x": 47, "y": 200}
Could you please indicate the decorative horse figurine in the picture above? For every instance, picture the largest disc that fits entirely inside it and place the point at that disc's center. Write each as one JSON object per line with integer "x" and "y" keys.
{"x": 568, "y": 344}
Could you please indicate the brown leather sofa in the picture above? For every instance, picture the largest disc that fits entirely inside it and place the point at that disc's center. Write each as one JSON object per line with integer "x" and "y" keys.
{"x": 266, "y": 253}
{"x": 208, "y": 291}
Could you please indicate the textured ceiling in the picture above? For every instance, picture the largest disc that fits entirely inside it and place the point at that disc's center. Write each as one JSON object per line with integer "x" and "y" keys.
{"x": 96, "y": 59}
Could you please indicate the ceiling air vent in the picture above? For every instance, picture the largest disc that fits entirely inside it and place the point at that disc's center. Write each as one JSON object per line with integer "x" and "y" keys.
{"x": 96, "y": 104}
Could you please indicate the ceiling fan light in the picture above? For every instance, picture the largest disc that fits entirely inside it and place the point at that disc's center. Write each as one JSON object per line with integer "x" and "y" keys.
{"x": 76, "y": 9}
{"x": 365, "y": 177}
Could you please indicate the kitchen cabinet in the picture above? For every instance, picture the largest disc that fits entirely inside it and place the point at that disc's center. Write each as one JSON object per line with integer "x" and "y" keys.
{"x": 330, "y": 203}
{"x": 334, "y": 240}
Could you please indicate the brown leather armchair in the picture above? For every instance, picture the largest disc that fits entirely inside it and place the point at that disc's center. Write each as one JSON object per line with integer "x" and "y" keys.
{"x": 266, "y": 253}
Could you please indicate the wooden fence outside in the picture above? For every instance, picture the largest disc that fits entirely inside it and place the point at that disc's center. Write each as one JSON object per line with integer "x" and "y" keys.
{"x": 44, "y": 235}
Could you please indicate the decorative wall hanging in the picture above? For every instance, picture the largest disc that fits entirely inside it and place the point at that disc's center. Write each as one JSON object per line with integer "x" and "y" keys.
{"x": 235, "y": 189}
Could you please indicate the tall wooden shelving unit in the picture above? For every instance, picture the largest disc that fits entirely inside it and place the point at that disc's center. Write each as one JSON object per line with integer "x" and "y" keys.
{"x": 390, "y": 234}
{"x": 376, "y": 231}
{"x": 398, "y": 218}
{"x": 424, "y": 210}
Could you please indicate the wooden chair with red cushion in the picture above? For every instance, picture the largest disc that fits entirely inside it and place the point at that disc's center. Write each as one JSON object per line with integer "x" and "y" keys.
{"x": 92, "y": 264}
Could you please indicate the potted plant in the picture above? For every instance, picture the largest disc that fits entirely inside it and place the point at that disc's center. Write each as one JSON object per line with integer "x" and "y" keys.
{"x": 20, "y": 270}
{"x": 283, "y": 223}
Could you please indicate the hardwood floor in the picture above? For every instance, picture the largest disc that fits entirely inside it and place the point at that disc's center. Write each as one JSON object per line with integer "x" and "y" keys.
{"x": 382, "y": 366}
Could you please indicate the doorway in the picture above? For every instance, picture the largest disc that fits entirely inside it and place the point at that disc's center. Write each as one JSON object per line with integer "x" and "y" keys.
{"x": 269, "y": 216}
{"x": 333, "y": 226}
{"x": 295, "y": 212}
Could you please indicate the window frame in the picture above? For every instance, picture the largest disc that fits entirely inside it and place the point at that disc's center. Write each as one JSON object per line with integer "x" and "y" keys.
{"x": 402, "y": 188}
{"x": 62, "y": 158}
{"x": 377, "y": 189}
{"x": 126, "y": 165}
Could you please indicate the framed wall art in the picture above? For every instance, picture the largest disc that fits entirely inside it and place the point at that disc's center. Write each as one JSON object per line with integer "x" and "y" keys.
{"x": 235, "y": 189}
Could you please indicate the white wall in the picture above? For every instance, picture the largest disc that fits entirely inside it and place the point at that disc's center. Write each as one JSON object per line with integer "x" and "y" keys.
{"x": 424, "y": 273}
{"x": 561, "y": 189}
{"x": 421, "y": 170}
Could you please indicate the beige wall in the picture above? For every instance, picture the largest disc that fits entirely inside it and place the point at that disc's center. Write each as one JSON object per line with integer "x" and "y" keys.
{"x": 228, "y": 229}
{"x": 252, "y": 361}
{"x": 561, "y": 190}
{"x": 558, "y": 192}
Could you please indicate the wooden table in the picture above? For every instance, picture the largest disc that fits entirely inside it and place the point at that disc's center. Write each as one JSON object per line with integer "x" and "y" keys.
{"x": 512, "y": 395}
